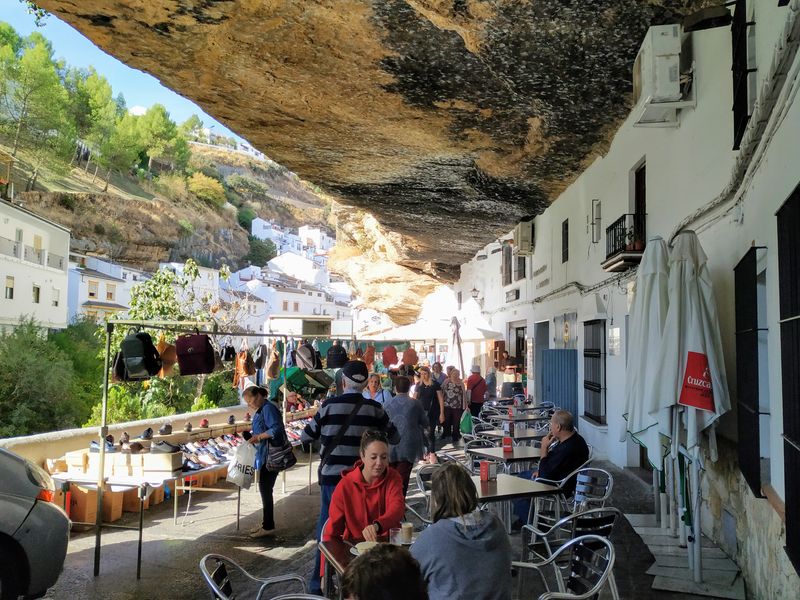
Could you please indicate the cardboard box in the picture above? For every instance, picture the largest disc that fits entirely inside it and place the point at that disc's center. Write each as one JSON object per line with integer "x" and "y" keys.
{"x": 157, "y": 461}
{"x": 93, "y": 468}
{"x": 157, "y": 496}
{"x": 56, "y": 465}
{"x": 83, "y": 504}
{"x": 112, "y": 506}
{"x": 77, "y": 460}
{"x": 130, "y": 501}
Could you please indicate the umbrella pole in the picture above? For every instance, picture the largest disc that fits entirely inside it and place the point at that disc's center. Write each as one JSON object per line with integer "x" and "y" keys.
{"x": 694, "y": 486}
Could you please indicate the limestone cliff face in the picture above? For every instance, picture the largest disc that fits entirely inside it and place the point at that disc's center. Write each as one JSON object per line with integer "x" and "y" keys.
{"x": 446, "y": 120}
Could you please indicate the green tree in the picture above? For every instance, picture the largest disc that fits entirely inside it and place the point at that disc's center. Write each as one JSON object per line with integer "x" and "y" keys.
{"x": 120, "y": 149}
{"x": 207, "y": 189}
{"x": 35, "y": 382}
{"x": 34, "y": 99}
{"x": 245, "y": 216}
{"x": 80, "y": 342}
{"x": 261, "y": 252}
{"x": 161, "y": 138}
{"x": 9, "y": 37}
{"x": 191, "y": 128}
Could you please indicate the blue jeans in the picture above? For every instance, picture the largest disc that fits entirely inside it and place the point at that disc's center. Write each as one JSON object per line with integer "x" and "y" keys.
{"x": 522, "y": 507}
{"x": 326, "y": 491}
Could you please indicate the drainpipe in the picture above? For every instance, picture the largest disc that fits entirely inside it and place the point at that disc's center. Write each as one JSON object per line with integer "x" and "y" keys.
{"x": 774, "y": 100}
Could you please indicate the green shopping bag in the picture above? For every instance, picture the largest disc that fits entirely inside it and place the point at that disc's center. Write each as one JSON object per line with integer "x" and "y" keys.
{"x": 466, "y": 422}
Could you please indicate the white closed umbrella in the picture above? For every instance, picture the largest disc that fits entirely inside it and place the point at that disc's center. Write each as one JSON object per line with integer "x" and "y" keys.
{"x": 691, "y": 365}
{"x": 648, "y": 413}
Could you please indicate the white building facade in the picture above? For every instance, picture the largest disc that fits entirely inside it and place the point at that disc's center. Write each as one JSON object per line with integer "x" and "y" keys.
{"x": 34, "y": 260}
{"x": 574, "y": 291}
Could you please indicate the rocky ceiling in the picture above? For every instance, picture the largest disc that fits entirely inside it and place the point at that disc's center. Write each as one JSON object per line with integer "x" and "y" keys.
{"x": 448, "y": 121}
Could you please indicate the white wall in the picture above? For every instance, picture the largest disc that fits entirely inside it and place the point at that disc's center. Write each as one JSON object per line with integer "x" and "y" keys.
{"x": 31, "y": 268}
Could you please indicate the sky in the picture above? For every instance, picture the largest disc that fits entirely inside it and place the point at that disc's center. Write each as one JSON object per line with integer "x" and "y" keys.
{"x": 139, "y": 88}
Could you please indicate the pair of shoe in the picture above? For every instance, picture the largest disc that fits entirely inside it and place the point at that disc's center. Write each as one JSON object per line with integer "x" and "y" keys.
{"x": 131, "y": 447}
{"x": 166, "y": 429}
{"x": 231, "y": 420}
{"x": 204, "y": 423}
{"x": 188, "y": 426}
{"x": 163, "y": 447}
{"x": 147, "y": 434}
{"x": 260, "y": 532}
{"x": 94, "y": 446}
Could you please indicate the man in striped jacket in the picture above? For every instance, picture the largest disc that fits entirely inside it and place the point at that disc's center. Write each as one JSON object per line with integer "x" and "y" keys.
{"x": 338, "y": 425}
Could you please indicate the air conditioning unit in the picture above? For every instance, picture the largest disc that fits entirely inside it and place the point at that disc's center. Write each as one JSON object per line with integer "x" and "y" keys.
{"x": 524, "y": 238}
{"x": 657, "y": 93}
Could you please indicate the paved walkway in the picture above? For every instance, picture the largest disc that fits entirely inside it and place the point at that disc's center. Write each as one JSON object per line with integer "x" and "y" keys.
{"x": 171, "y": 553}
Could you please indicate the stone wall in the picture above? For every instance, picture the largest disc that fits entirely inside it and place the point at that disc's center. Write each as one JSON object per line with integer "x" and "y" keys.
{"x": 760, "y": 533}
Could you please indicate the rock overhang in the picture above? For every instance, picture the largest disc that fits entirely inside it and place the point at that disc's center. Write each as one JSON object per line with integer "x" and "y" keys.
{"x": 448, "y": 121}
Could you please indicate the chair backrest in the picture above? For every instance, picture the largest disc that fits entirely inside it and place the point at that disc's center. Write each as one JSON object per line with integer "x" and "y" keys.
{"x": 299, "y": 597}
{"x": 593, "y": 487}
{"x": 215, "y": 571}
{"x": 590, "y": 565}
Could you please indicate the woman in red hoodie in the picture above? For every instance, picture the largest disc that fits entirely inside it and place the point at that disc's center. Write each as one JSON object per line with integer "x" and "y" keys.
{"x": 369, "y": 500}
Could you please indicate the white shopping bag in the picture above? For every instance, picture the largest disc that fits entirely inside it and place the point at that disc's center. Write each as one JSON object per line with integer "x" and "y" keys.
{"x": 242, "y": 468}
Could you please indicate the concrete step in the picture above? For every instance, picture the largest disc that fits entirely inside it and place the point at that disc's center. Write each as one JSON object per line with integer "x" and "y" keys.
{"x": 719, "y": 564}
{"x": 678, "y": 551}
{"x": 710, "y": 576}
{"x": 687, "y": 586}
{"x": 648, "y": 520}
{"x": 667, "y": 540}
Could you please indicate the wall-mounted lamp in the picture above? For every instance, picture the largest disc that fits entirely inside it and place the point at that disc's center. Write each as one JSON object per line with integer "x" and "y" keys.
{"x": 475, "y": 293}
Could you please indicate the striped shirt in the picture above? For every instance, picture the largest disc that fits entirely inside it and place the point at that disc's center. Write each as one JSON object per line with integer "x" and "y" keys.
{"x": 329, "y": 420}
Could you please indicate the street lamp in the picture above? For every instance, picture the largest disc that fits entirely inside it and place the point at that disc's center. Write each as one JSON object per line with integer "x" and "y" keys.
{"x": 475, "y": 293}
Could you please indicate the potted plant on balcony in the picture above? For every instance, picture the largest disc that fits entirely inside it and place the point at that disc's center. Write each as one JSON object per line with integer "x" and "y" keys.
{"x": 629, "y": 242}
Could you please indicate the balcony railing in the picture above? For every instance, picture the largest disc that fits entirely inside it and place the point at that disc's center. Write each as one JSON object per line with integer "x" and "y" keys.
{"x": 55, "y": 261}
{"x": 626, "y": 234}
{"x": 33, "y": 255}
{"x": 9, "y": 247}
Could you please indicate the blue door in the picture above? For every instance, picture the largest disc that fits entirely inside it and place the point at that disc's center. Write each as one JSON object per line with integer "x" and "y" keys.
{"x": 560, "y": 379}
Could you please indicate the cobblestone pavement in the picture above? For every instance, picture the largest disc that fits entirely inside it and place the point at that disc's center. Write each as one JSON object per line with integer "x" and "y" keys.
{"x": 171, "y": 553}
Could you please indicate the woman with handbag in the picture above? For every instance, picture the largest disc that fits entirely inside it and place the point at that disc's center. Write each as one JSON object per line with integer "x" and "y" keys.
{"x": 273, "y": 450}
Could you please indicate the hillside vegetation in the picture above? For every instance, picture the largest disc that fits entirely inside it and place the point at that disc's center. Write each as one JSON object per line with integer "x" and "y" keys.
{"x": 138, "y": 188}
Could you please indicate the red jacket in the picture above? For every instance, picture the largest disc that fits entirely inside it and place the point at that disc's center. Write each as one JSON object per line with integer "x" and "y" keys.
{"x": 356, "y": 504}
{"x": 476, "y": 386}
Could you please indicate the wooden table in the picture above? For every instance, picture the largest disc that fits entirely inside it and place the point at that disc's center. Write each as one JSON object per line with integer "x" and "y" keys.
{"x": 508, "y": 487}
{"x": 519, "y": 434}
{"x": 337, "y": 556}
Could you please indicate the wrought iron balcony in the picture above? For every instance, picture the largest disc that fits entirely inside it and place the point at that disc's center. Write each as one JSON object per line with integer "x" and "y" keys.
{"x": 9, "y": 247}
{"x": 625, "y": 241}
{"x": 33, "y": 255}
{"x": 55, "y": 261}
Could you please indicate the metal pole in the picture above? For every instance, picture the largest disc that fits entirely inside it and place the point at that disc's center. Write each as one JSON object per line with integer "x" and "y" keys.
{"x": 142, "y": 494}
{"x": 98, "y": 521}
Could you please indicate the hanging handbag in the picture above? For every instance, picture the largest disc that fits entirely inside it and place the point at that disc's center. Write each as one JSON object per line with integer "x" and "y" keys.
{"x": 140, "y": 356}
{"x": 280, "y": 456}
{"x": 229, "y": 353}
{"x": 195, "y": 354}
{"x": 274, "y": 365}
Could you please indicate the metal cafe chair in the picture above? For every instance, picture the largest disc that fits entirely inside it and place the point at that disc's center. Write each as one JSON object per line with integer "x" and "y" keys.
{"x": 217, "y": 570}
{"x": 473, "y": 464}
{"x": 590, "y": 561}
{"x": 592, "y": 489}
{"x": 420, "y": 504}
{"x": 299, "y": 597}
{"x": 539, "y": 542}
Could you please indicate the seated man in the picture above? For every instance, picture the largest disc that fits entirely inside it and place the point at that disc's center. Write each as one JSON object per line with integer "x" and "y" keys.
{"x": 563, "y": 451}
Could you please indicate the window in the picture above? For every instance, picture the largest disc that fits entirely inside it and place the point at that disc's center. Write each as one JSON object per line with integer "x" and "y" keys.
{"x": 9, "y": 287}
{"x": 37, "y": 292}
{"x": 751, "y": 362}
{"x": 506, "y": 263}
{"x": 111, "y": 292}
{"x": 296, "y": 307}
{"x": 18, "y": 235}
{"x": 91, "y": 314}
{"x": 37, "y": 242}
{"x": 519, "y": 271}
{"x": 565, "y": 241}
{"x": 56, "y": 296}
{"x": 93, "y": 289}
{"x": 743, "y": 68}
{"x": 286, "y": 306}
{"x": 594, "y": 370}
{"x": 789, "y": 302}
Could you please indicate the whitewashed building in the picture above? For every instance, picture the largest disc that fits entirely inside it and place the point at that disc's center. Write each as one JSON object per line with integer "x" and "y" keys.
{"x": 316, "y": 237}
{"x": 96, "y": 289}
{"x": 298, "y": 267}
{"x": 734, "y": 178}
{"x": 33, "y": 258}
{"x": 205, "y": 289}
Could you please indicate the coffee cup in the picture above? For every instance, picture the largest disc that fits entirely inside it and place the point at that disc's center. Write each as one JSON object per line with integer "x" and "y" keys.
{"x": 407, "y": 532}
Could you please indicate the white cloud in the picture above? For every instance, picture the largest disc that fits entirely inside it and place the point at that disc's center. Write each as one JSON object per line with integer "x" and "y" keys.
{"x": 137, "y": 110}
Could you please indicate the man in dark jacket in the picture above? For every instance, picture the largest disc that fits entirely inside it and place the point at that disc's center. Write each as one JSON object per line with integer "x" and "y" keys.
{"x": 338, "y": 425}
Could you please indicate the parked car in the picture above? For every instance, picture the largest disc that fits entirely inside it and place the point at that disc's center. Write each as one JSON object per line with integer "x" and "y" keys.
{"x": 34, "y": 532}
